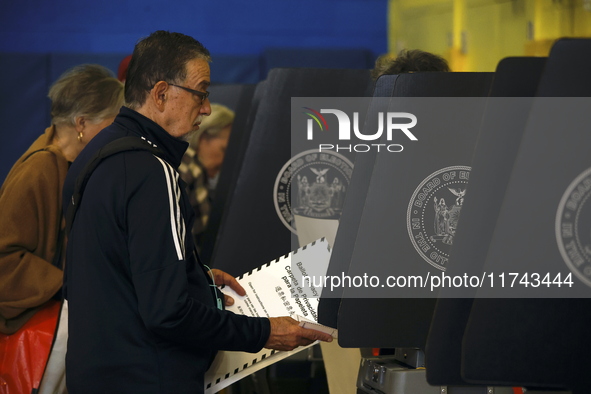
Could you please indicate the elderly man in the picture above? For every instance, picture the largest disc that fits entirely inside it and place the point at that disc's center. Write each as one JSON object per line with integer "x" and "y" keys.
{"x": 145, "y": 316}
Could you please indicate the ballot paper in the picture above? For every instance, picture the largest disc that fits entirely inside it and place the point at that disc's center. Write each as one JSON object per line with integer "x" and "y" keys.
{"x": 312, "y": 325}
{"x": 272, "y": 290}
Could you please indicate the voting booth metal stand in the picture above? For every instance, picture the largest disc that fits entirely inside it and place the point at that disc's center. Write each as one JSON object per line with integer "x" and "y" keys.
{"x": 386, "y": 374}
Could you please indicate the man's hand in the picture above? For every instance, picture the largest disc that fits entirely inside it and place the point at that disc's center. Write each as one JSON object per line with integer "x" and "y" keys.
{"x": 286, "y": 334}
{"x": 222, "y": 278}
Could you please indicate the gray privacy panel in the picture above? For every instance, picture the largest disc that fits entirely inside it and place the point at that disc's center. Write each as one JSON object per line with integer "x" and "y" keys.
{"x": 549, "y": 334}
{"x": 251, "y": 231}
{"x": 502, "y": 128}
{"x": 392, "y": 322}
{"x": 340, "y": 258}
{"x": 244, "y": 100}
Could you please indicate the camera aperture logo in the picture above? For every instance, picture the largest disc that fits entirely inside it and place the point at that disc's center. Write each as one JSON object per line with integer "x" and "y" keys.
{"x": 433, "y": 213}
{"x": 390, "y": 122}
{"x": 320, "y": 121}
{"x": 573, "y": 233}
{"x": 313, "y": 185}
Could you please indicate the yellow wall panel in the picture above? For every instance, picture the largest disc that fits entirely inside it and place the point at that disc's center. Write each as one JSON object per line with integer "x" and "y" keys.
{"x": 582, "y": 19}
{"x": 474, "y": 35}
{"x": 494, "y": 31}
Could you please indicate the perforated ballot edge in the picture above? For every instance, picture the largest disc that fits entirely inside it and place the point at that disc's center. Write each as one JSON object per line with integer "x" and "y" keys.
{"x": 271, "y": 291}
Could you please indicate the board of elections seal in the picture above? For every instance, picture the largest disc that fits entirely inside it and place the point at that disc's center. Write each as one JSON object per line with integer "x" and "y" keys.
{"x": 312, "y": 184}
{"x": 433, "y": 213}
{"x": 573, "y": 227}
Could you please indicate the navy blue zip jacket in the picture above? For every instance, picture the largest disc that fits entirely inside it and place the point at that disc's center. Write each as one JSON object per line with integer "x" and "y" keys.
{"x": 142, "y": 313}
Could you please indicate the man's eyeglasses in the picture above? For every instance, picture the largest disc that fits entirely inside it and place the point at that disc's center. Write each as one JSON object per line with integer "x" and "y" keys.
{"x": 202, "y": 95}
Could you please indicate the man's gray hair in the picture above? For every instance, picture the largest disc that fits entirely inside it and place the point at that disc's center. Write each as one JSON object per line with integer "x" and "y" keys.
{"x": 162, "y": 56}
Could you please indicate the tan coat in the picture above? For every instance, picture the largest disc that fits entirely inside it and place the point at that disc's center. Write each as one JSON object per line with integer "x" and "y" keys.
{"x": 30, "y": 222}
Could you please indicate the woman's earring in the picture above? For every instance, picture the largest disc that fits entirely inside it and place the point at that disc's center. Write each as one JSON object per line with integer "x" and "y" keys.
{"x": 80, "y": 135}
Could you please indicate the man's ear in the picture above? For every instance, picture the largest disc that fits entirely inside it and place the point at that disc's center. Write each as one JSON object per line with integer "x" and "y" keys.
{"x": 159, "y": 95}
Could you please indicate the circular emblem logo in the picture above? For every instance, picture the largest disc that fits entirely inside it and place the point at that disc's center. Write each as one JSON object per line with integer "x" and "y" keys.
{"x": 312, "y": 184}
{"x": 573, "y": 227}
{"x": 433, "y": 213}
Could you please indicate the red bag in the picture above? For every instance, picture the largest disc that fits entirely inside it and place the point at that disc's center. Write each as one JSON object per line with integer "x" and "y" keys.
{"x": 24, "y": 354}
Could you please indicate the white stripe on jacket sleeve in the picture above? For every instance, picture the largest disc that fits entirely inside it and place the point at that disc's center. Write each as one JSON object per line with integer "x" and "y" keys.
{"x": 177, "y": 223}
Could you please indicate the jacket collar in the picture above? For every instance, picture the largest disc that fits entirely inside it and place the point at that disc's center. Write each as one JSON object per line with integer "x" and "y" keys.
{"x": 138, "y": 124}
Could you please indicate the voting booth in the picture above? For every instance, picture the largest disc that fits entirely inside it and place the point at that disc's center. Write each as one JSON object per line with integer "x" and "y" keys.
{"x": 547, "y": 326}
{"x": 387, "y": 315}
{"x": 243, "y": 100}
{"x": 255, "y": 227}
{"x": 502, "y": 128}
{"x": 525, "y": 213}
{"x": 377, "y": 229}
{"x": 328, "y": 305}
{"x": 237, "y": 97}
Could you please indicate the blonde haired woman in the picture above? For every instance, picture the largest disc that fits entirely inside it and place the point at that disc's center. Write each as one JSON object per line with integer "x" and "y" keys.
{"x": 83, "y": 101}
{"x": 201, "y": 164}
{"x": 211, "y": 140}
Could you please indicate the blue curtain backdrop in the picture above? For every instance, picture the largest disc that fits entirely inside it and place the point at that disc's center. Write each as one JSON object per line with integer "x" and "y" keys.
{"x": 41, "y": 39}
{"x": 234, "y": 27}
